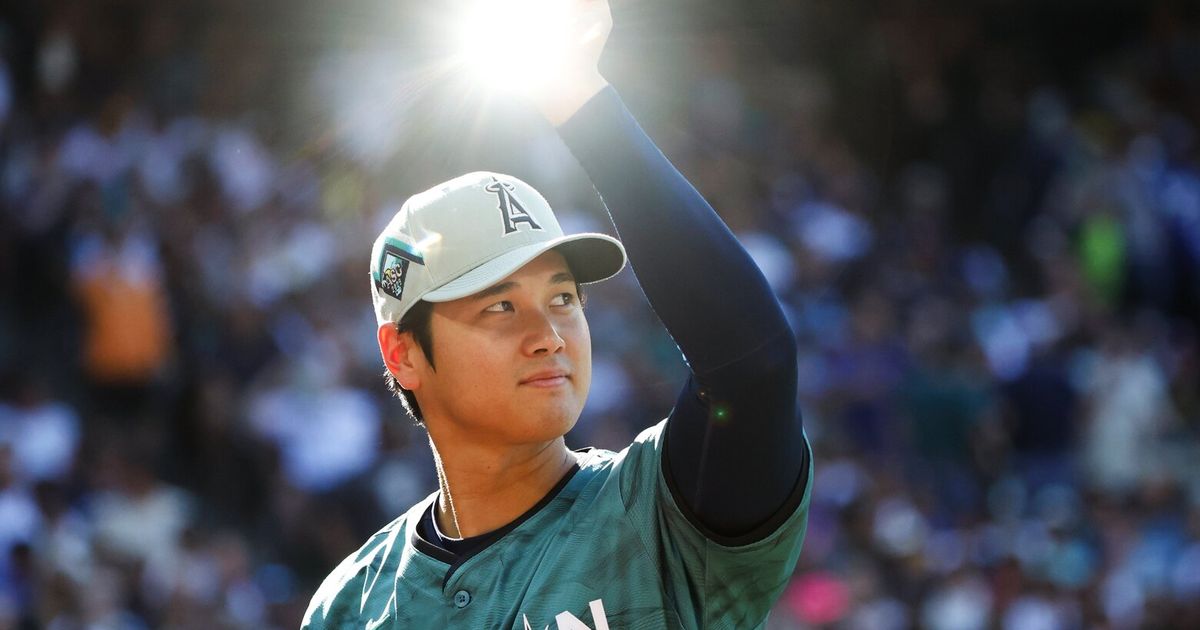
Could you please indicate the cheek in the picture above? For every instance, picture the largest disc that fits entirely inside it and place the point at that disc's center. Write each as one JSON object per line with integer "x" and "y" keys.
{"x": 469, "y": 367}
{"x": 582, "y": 357}
{"x": 483, "y": 368}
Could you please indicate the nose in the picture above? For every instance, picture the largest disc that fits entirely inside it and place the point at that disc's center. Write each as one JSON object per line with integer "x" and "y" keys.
{"x": 543, "y": 337}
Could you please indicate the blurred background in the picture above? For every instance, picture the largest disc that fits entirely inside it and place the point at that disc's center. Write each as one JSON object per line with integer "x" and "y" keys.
{"x": 983, "y": 220}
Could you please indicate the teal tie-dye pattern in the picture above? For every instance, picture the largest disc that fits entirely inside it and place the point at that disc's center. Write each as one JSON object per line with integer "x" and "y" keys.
{"x": 612, "y": 542}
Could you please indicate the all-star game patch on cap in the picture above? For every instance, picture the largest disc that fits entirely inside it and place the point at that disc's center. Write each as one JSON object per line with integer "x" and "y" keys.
{"x": 470, "y": 233}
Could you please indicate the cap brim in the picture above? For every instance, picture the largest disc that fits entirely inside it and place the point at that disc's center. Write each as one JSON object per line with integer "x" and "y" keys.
{"x": 592, "y": 257}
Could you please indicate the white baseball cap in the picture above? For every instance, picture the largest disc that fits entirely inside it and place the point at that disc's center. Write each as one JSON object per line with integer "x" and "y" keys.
{"x": 465, "y": 235}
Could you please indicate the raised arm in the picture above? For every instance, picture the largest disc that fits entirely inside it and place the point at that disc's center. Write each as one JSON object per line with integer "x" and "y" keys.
{"x": 735, "y": 455}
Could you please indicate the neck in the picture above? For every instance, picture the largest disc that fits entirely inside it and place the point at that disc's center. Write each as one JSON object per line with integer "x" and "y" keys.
{"x": 484, "y": 488}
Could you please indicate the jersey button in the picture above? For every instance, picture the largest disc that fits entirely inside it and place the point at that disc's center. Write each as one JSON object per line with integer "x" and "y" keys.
{"x": 462, "y": 598}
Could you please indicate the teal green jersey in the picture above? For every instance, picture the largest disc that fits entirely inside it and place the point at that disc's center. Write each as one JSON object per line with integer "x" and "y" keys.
{"x": 611, "y": 549}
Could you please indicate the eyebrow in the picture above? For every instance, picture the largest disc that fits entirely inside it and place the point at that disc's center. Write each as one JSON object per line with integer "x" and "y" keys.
{"x": 558, "y": 278}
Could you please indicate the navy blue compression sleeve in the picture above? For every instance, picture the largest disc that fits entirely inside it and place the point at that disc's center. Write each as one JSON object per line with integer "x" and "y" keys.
{"x": 734, "y": 448}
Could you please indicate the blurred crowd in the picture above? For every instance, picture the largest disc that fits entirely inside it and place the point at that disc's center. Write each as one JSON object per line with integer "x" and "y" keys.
{"x": 983, "y": 225}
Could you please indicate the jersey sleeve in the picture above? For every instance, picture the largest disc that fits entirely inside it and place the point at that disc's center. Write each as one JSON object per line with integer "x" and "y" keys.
{"x": 348, "y": 595}
{"x": 714, "y": 584}
{"x": 329, "y": 608}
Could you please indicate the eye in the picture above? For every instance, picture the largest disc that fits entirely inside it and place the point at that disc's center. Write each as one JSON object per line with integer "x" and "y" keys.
{"x": 563, "y": 299}
{"x": 500, "y": 307}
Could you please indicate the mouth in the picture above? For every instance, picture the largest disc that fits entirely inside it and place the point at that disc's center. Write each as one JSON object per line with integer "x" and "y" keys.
{"x": 547, "y": 379}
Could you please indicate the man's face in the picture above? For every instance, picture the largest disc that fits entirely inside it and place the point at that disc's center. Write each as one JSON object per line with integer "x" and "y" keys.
{"x": 514, "y": 362}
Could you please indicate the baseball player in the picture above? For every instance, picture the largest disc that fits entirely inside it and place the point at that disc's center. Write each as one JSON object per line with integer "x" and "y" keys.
{"x": 696, "y": 524}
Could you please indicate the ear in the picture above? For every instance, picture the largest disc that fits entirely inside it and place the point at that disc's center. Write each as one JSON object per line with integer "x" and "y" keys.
{"x": 401, "y": 355}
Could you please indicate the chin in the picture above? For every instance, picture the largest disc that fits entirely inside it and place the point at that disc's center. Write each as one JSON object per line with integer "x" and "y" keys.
{"x": 551, "y": 424}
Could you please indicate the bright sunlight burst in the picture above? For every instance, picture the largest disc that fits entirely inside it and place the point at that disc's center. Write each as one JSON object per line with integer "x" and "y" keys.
{"x": 513, "y": 45}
